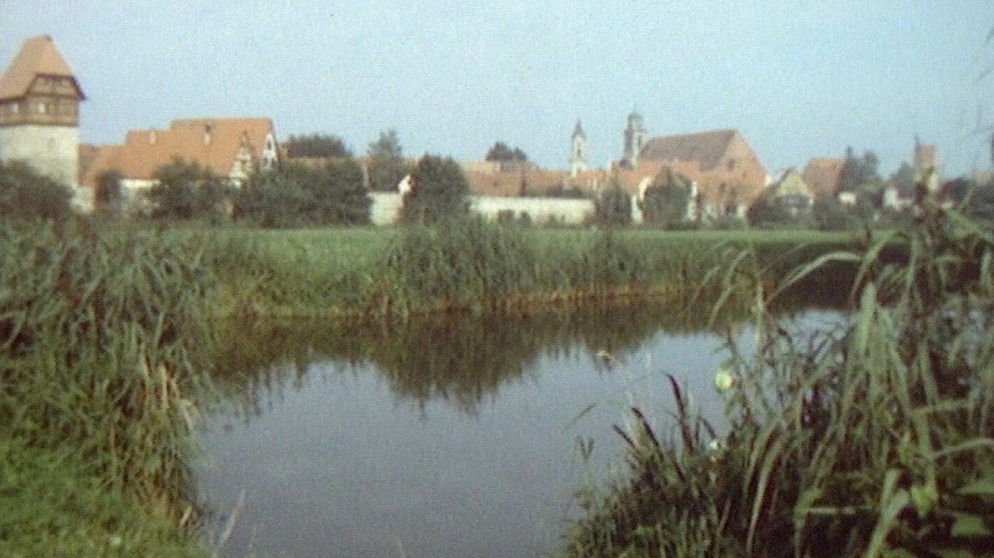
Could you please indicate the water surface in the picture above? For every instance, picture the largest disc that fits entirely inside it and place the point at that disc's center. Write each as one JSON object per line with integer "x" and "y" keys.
{"x": 454, "y": 437}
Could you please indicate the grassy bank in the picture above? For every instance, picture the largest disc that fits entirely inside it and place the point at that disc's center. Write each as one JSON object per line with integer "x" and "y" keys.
{"x": 97, "y": 360}
{"x": 105, "y": 335}
{"x": 478, "y": 267}
{"x": 873, "y": 439}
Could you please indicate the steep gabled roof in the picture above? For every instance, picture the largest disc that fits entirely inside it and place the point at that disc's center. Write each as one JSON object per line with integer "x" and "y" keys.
{"x": 213, "y": 143}
{"x": 38, "y": 56}
{"x": 822, "y": 175}
{"x": 707, "y": 148}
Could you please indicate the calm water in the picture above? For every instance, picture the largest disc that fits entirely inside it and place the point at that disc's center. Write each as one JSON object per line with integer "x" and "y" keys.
{"x": 442, "y": 438}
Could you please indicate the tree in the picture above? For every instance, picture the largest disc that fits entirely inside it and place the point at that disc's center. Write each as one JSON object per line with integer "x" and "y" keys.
{"x": 613, "y": 206}
{"x": 904, "y": 179}
{"x": 439, "y": 192}
{"x": 27, "y": 194}
{"x": 339, "y": 195}
{"x": 667, "y": 200}
{"x": 387, "y": 166}
{"x": 295, "y": 195}
{"x": 109, "y": 195}
{"x": 859, "y": 173}
{"x": 185, "y": 190}
{"x": 502, "y": 153}
{"x": 324, "y": 146}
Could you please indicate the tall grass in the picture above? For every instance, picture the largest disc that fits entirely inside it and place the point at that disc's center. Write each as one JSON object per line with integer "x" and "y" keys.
{"x": 473, "y": 265}
{"x": 99, "y": 339}
{"x": 871, "y": 439}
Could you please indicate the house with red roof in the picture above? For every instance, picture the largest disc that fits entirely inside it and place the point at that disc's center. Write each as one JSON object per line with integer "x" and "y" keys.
{"x": 228, "y": 147}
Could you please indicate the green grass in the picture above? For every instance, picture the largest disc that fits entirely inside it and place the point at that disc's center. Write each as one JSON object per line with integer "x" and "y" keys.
{"x": 477, "y": 266}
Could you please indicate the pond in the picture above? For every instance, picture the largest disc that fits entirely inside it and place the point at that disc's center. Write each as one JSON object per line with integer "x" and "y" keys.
{"x": 445, "y": 437}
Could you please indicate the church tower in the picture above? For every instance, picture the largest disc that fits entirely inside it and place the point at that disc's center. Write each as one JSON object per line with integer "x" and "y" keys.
{"x": 634, "y": 140}
{"x": 578, "y": 151}
{"x": 39, "y": 111}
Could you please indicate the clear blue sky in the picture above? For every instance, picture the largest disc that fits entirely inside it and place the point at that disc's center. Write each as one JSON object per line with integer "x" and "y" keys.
{"x": 799, "y": 78}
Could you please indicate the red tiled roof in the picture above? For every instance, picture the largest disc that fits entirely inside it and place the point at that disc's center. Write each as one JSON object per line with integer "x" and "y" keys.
{"x": 211, "y": 142}
{"x": 38, "y": 56}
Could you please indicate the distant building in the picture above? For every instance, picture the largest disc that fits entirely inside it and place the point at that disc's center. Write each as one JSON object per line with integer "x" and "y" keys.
{"x": 39, "y": 111}
{"x": 791, "y": 192}
{"x": 578, "y": 151}
{"x": 634, "y": 140}
{"x": 228, "y": 147}
{"x": 822, "y": 175}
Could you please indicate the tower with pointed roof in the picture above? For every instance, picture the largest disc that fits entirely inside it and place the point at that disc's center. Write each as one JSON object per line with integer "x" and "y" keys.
{"x": 578, "y": 151}
{"x": 39, "y": 111}
{"x": 634, "y": 140}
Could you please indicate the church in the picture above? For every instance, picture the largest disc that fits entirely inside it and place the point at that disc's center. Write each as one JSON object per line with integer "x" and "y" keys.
{"x": 725, "y": 169}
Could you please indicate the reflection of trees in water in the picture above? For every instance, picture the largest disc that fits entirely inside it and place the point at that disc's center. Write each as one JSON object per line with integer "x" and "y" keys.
{"x": 461, "y": 359}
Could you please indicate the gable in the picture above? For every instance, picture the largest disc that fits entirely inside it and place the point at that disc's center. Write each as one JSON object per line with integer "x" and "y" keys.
{"x": 706, "y": 148}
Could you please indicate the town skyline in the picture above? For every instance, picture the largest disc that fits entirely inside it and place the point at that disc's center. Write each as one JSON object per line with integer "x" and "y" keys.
{"x": 799, "y": 80}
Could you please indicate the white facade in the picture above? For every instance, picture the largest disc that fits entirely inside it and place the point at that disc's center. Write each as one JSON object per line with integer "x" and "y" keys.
{"x": 51, "y": 150}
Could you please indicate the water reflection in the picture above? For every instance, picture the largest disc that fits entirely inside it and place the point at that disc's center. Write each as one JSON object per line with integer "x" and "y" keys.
{"x": 440, "y": 437}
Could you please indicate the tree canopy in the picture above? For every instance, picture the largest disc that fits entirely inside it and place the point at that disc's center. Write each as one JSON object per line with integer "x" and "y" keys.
{"x": 185, "y": 190}
{"x": 667, "y": 200}
{"x": 27, "y": 194}
{"x": 386, "y": 166}
{"x": 295, "y": 195}
{"x": 439, "y": 191}
{"x": 316, "y": 146}
{"x": 859, "y": 172}
{"x": 503, "y": 153}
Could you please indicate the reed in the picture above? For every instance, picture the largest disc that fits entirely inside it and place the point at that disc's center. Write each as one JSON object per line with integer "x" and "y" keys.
{"x": 99, "y": 339}
{"x": 871, "y": 438}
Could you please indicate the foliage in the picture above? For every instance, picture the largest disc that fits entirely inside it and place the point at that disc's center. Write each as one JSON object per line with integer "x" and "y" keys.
{"x": 859, "y": 173}
{"x": 109, "y": 195}
{"x": 613, "y": 206}
{"x": 100, "y": 350}
{"x": 869, "y": 438}
{"x": 323, "y": 146}
{"x": 27, "y": 194}
{"x": 387, "y": 165}
{"x": 667, "y": 200}
{"x": 501, "y": 152}
{"x": 185, "y": 190}
{"x": 439, "y": 192}
{"x": 295, "y": 195}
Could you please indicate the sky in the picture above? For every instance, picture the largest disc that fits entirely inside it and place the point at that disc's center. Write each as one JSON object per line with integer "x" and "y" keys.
{"x": 798, "y": 78}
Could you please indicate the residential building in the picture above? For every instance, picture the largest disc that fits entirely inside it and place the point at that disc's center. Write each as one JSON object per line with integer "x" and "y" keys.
{"x": 228, "y": 147}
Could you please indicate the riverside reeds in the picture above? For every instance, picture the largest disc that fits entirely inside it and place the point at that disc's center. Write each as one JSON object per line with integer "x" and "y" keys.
{"x": 476, "y": 266}
{"x": 98, "y": 359}
{"x": 872, "y": 438}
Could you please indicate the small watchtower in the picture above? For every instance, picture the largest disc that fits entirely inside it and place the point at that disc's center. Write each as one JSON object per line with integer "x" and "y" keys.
{"x": 578, "y": 151}
{"x": 39, "y": 111}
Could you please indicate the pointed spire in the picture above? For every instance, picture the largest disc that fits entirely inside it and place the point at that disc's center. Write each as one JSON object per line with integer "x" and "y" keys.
{"x": 38, "y": 56}
{"x": 578, "y": 130}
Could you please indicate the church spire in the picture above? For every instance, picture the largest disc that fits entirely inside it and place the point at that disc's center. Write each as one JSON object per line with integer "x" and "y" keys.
{"x": 578, "y": 151}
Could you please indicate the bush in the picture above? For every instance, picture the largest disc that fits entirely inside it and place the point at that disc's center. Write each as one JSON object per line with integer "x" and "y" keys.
{"x": 27, "y": 194}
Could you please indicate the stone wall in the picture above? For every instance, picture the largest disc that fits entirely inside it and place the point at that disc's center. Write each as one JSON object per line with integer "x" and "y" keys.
{"x": 51, "y": 150}
{"x": 386, "y": 207}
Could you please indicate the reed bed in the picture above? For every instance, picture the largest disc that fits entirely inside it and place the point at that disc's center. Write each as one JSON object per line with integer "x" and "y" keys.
{"x": 476, "y": 266}
{"x": 98, "y": 359}
{"x": 872, "y": 438}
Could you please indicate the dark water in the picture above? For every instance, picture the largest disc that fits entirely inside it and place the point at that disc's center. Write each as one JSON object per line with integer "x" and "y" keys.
{"x": 456, "y": 437}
